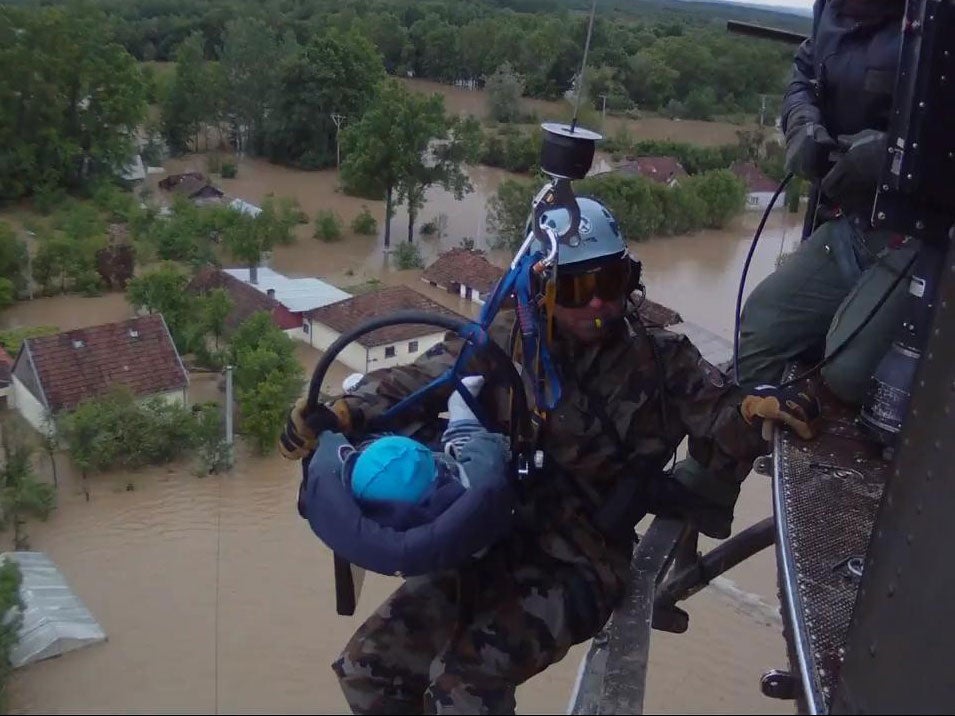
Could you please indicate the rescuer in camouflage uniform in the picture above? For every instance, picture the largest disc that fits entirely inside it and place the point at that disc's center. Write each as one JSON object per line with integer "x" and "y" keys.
{"x": 461, "y": 642}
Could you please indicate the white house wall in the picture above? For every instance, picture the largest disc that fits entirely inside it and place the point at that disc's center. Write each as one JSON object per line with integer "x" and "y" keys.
{"x": 759, "y": 200}
{"x": 376, "y": 355}
{"x": 27, "y": 404}
{"x": 354, "y": 355}
{"x": 172, "y": 397}
{"x": 298, "y": 334}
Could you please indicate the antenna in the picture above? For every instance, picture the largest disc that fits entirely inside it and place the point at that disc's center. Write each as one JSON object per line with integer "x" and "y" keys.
{"x": 583, "y": 66}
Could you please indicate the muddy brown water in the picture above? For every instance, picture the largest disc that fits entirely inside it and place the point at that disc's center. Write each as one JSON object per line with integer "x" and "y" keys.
{"x": 474, "y": 102}
{"x": 216, "y": 597}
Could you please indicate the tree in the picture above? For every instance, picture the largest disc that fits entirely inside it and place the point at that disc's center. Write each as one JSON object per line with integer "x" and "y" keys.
{"x": 72, "y": 97}
{"x": 445, "y": 144}
{"x": 185, "y": 106}
{"x": 213, "y": 453}
{"x": 334, "y": 74}
{"x": 250, "y": 59}
{"x": 405, "y": 143}
{"x": 21, "y": 494}
{"x": 723, "y": 194}
{"x": 504, "y": 90}
{"x": 13, "y": 259}
{"x": 117, "y": 430}
{"x": 268, "y": 378}
{"x": 215, "y": 309}
{"x": 163, "y": 290}
{"x": 8, "y": 294}
{"x": 508, "y": 212}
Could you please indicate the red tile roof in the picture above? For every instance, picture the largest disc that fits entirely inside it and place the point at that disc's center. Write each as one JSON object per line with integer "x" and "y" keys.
{"x": 84, "y": 363}
{"x": 461, "y": 266}
{"x": 347, "y": 314}
{"x": 246, "y": 298}
{"x": 753, "y": 176}
{"x": 659, "y": 169}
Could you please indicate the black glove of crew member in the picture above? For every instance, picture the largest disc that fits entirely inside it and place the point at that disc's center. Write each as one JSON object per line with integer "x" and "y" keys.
{"x": 853, "y": 181}
{"x": 808, "y": 146}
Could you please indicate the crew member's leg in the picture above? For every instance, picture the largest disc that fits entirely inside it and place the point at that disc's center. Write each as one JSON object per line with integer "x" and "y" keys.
{"x": 791, "y": 310}
{"x": 384, "y": 668}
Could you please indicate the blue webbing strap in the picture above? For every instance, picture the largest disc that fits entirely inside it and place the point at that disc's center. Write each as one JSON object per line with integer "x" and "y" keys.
{"x": 517, "y": 280}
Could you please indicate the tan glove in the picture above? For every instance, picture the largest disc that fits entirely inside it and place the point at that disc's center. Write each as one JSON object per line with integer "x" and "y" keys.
{"x": 791, "y": 406}
{"x": 303, "y": 427}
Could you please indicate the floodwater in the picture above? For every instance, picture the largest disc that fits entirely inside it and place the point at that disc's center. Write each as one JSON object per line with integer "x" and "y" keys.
{"x": 474, "y": 102}
{"x": 216, "y": 597}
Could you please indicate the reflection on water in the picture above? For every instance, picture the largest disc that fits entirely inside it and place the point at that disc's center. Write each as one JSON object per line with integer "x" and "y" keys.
{"x": 216, "y": 597}
{"x": 698, "y": 275}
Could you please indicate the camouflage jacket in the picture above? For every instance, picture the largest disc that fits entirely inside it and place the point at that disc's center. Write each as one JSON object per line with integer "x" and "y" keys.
{"x": 653, "y": 388}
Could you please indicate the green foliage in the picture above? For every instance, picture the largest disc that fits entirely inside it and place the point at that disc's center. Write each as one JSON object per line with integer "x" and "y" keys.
{"x": 229, "y": 169}
{"x": 118, "y": 204}
{"x": 251, "y": 58}
{"x": 268, "y": 378}
{"x": 116, "y": 431}
{"x": 406, "y": 143}
{"x": 214, "y": 163}
{"x": 328, "y": 225}
{"x": 334, "y": 74}
{"x": 723, "y": 195}
{"x": 365, "y": 224}
{"x": 71, "y": 96}
{"x": 22, "y": 495}
{"x": 13, "y": 259}
{"x": 163, "y": 290}
{"x": 189, "y": 101}
{"x": 408, "y": 256}
{"x": 512, "y": 149}
{"x": 212, "y": 452}
{"x": 508, "y": 212}
{"x": 12, "y": 617}
{"x": 65, "y": 258}
{"x": 645, "y": 208}
{"x": 692, "y": 157}
{"x": 504, "y": 89}
{"x": 8, "y": 295}
{"x": 12, "y": 339}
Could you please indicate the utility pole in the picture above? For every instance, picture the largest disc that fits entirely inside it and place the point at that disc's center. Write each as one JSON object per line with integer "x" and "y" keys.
{"x": 229, "y": 437}
{"x": 338, "y": 119}
{"x": 603, "y": 117}
{"x": 762, "y": 108}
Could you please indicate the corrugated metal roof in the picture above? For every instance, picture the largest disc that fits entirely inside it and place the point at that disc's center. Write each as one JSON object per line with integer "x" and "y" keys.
{"x": 296, "y": 294}
{"x": 55, "y": 620}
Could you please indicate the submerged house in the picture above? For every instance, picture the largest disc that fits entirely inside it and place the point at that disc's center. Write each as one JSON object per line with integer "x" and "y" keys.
{"x": 54, "y": 374}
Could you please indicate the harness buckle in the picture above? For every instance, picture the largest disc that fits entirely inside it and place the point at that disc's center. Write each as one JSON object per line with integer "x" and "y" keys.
{"x": 523, "y": 466}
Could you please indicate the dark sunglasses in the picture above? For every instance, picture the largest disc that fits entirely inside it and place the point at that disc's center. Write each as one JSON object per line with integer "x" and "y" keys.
{"x": 608, "y": 283}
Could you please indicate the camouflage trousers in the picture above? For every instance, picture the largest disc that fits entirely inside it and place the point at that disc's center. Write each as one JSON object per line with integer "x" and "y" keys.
{"x": 446, "y": 645}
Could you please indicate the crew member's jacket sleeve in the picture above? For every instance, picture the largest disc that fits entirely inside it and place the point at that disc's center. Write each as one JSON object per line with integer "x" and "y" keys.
{"x": 707, "y": 406}
{"x": 800, "y": 95}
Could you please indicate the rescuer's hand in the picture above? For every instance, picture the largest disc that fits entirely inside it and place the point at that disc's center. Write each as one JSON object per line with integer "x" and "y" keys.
{"x": 792, "y": 406}
{"x": 303, "y": 427}
{"x": 853, "y": 181}
{"x": 808, "y": 146}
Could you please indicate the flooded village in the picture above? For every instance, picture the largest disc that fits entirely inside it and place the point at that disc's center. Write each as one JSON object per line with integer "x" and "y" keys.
{"x": 216, "y": 597}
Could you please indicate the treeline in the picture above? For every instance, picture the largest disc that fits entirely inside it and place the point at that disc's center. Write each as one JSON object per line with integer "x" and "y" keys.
{"x": 650, "y": 60}
{"x": 642, "y": 207}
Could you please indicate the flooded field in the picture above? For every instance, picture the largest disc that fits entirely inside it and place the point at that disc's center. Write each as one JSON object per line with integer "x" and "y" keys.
{"x": 216, "y": 597}
{"x": 465, "y": 101}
